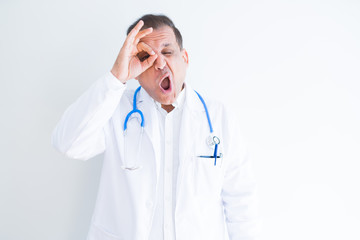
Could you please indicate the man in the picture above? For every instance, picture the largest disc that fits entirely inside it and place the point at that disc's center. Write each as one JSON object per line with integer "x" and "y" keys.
{"x": 185, "y": 174}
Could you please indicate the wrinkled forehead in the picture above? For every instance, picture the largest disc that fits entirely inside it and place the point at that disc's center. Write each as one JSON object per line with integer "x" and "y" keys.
{"x": 160, "y": 38}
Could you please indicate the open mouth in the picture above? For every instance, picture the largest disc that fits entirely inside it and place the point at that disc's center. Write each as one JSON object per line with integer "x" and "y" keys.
{"x": 165, "y": 83}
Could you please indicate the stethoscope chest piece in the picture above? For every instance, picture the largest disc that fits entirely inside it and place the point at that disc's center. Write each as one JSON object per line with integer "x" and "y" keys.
{"x": 212, "y": 140}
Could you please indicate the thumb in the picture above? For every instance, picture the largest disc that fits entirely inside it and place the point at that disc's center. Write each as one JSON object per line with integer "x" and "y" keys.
{"x": 148, "y": 62}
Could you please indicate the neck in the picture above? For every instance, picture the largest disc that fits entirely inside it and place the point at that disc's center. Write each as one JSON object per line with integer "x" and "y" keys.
{"x": 170, "y": 107}
{"x": 167, "y": 108}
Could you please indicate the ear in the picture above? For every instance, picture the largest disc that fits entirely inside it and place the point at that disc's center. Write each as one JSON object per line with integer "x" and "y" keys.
{"x": 185, "y": 56}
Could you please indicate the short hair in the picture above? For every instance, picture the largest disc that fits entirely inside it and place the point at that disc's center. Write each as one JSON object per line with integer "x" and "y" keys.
{"x": 156, "y": 22}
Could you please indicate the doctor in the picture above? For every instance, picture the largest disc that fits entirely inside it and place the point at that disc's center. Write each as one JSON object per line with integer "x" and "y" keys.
{"x": 174, "y": 165}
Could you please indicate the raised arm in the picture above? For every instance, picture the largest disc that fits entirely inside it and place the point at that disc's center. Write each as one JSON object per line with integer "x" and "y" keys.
{"x": 79, "y": 134}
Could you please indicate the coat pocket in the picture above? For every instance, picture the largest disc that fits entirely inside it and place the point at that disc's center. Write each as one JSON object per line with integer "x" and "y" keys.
{"x": 208, "y": 177}
{"x": 98, "y": 233}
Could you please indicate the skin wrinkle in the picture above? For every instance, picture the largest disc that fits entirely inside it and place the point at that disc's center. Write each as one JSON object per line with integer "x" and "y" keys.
{"x": 170, "y": 59}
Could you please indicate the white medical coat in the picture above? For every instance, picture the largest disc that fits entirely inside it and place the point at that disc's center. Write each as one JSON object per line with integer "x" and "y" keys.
{"x": 212, "y": 202}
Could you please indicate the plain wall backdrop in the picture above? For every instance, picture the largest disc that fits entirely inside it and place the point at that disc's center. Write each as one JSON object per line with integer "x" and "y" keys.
{"x": 289, "y": 69}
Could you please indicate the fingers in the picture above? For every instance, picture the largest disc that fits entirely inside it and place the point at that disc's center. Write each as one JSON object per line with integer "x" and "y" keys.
{"x": 146, "y": 55}
{"x": 134, "y": 31}
{"x": 148, "y": 62}
{"x": 142, "y": 34}
{"x": 135, "y": 34}
{"x": 144, "y": 47}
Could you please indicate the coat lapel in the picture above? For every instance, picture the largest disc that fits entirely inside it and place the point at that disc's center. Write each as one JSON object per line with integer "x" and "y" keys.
{"x": 192, "y": 120}
{"x": 151, "y": 125}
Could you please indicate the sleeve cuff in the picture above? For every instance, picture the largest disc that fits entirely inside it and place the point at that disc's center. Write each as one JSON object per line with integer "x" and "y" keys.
{"x": 112, "y": 82}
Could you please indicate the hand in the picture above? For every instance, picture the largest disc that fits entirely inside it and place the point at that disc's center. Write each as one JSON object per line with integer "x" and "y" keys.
{"x": 128, "y": 65}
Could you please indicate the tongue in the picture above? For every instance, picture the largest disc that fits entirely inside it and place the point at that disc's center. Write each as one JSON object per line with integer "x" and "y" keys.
{"x": 165, "y": 83}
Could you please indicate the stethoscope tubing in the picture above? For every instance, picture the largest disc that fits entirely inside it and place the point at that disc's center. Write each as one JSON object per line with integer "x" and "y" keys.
{"x": 206, "y": 111}
{"x": 215, "y": 139}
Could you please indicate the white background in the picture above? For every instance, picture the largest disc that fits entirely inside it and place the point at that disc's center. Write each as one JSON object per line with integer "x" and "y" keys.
{"x": 289, "y": 69}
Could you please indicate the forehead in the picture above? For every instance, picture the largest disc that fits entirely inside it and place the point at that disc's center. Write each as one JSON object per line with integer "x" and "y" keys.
{"x": 161, "y": 37}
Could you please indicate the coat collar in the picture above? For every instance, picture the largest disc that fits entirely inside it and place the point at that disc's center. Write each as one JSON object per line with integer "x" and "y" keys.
{"x": 192, "y": 101}
{"x": 179, "y": 101}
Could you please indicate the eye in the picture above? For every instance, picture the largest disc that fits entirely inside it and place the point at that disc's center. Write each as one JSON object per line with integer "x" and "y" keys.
{"x": 143, "y": 56}
{"x": 167, "y": 53}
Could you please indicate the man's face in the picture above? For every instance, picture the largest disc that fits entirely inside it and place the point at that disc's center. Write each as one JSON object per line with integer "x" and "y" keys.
{"x": 163, "y": 81}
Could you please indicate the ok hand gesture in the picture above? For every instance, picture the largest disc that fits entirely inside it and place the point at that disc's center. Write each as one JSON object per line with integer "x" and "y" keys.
{"x": 128, "y": 65}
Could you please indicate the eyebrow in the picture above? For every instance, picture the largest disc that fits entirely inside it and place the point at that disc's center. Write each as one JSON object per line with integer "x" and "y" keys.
{"x": 166, "y": 44}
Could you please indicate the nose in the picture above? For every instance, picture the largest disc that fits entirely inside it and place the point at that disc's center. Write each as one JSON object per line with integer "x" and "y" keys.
{"x": 159, "y": 62}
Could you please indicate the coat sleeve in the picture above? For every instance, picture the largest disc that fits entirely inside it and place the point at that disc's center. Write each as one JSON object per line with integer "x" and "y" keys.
{"x": 239, "y": 187}
{"x": 79, "y": 134}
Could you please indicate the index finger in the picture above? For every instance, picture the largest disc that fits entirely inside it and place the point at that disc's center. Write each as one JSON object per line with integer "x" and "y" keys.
{"x": 135, "y": 30}
{"x": 142, "y": 34}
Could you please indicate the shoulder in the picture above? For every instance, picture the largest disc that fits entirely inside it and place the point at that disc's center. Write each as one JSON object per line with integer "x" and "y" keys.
{"x": 217, "y": 109}
{"x": 224, "y": 114}
{"x": 128, "y": 96}
{"x": 129, "y": 93}
{"x": 200, "y": 100}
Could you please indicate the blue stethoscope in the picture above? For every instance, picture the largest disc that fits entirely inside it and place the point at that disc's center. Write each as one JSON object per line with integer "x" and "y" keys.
{"x": 211, "y": 140}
